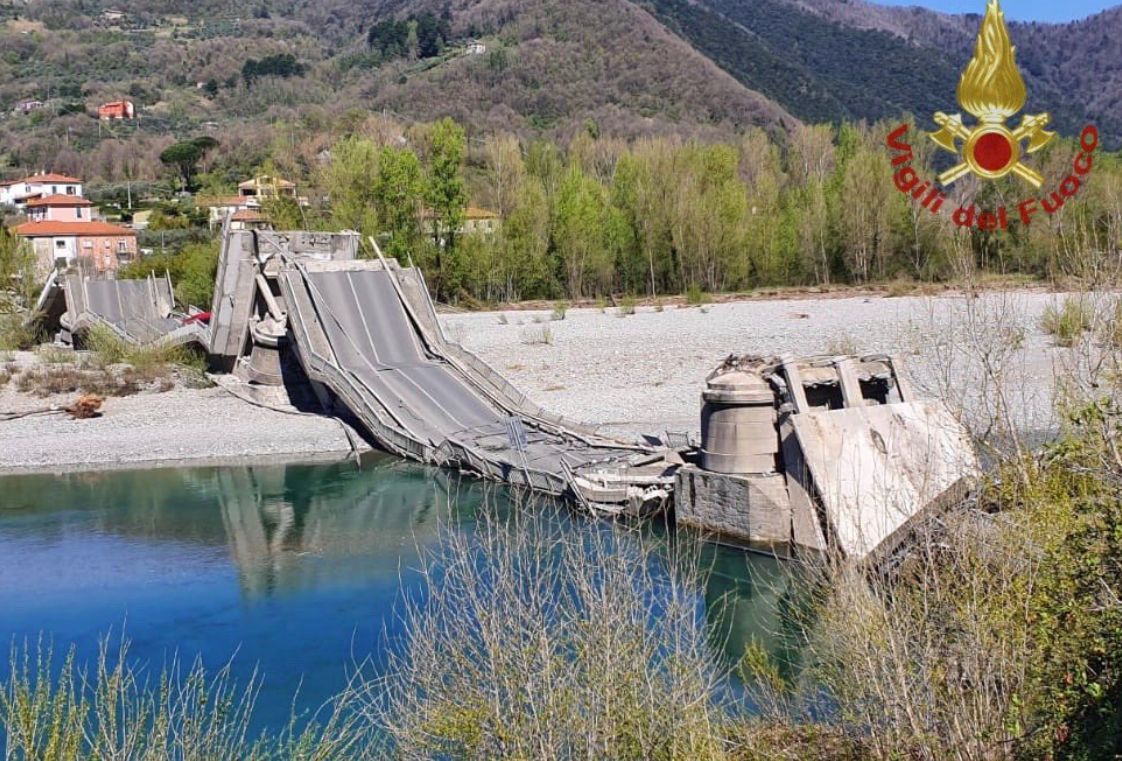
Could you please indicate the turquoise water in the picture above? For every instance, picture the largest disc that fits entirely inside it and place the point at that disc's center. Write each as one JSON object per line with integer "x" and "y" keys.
{"x": 293, "y": 570}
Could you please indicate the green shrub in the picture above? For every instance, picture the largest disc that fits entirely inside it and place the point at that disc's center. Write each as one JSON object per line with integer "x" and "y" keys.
{"x": 1069, "y": 321}
{"x": 16, "y": 333}
{"x": 626, "y": 306}
{"x": 560, "y": 308}
{"x": 996, "y": 634}
{"x": 149, "y": 362}
{"x": 695, "y": 296}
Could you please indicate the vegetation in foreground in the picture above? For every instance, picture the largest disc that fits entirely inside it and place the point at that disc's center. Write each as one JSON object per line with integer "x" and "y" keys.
{"x": 110, "y": 367}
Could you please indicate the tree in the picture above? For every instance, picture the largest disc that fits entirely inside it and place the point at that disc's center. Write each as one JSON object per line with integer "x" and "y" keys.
{"x": 17, "y": 272}
{"x": 444, "y": 191}
{"x": 710, "y": 218}
{"x": 349, "y": 182}
{"x": 186, "y": 155}
{"x": 588, "y": 233}
{"x": 429, "y": 37}
{"x": 279, "y": 65}
{"x": 644, "y": 186}
{"x": 398, "y": 188}
{"x": 184, "y": 158}
{"x": 523, "y": 269}
{"x": 867, "y": 191}
{"x": 192, "y": 271}
{"x": 390, "y": 38}
{"x": 505, "y": 172}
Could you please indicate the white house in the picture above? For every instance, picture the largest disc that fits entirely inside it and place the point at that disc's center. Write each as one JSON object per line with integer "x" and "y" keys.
{"x": 226, "y": 206}
{"x": 19, "y": 192}
{"x": 27, "y": 106}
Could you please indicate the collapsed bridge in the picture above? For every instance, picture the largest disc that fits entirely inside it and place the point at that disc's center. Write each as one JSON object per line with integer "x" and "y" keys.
{"x": 302, "y": 310}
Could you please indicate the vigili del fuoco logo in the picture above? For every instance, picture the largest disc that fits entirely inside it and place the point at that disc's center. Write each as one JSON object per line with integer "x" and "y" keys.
{"x": 992, "y": 91}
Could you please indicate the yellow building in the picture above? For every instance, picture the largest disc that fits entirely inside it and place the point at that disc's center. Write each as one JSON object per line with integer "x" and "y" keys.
{"x": 476, "y": 220}
{"x": 266, "y": 186}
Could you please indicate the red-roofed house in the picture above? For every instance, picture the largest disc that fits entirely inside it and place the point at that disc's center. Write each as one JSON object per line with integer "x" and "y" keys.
{"x": 99, "y": 244}
{"x": 59, "y": 208}
{"x": 118, "y": 109}
{"x": 19, "y": 192}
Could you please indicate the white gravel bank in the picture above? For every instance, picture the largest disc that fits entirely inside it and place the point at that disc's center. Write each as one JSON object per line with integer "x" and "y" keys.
{"x": 644, "y": 373}
{"x": 150, "y": 429}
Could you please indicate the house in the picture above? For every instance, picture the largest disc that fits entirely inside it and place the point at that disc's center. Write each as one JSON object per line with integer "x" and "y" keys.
{"x": 476, "y": 48}
{"x": 59, "y": 208}
{"x": 117, "y": 109}
{"x": 98, "y": 245}
{"x": 19, "y": 192}
{"x": 476, "y": 221}
{"x": 266, "y": 186}
{"x": 27, "y": 106}
{"x": 249, "y": 219}
{"x": 113, "y": 14}
{"x": 222, "y": 207}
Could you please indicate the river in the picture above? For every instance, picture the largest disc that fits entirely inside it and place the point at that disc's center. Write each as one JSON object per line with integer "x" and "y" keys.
{"x": 294, "y": 570}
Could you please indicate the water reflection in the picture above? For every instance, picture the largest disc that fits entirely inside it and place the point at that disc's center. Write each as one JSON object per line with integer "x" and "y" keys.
{"x": 298, "y": 567}
{"x": 282, "y": 529}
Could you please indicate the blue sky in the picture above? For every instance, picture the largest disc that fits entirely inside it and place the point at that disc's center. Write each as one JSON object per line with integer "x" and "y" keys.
{"x": 1017, "y": 10}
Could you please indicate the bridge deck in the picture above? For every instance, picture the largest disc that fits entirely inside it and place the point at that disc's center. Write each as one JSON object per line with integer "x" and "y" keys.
{"x": 369, "y": 345}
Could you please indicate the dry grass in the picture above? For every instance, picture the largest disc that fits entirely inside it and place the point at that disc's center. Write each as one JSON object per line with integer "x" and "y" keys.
{"x": 56, "y": 712}
{"x": 537, "y": 335}
{"x": 111, "y": 368}
{"x": 534, "y": 642}
{"x": 50, "y": 380}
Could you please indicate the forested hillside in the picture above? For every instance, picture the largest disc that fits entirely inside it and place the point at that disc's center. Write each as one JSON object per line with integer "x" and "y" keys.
{"x": 627, "y": 147}
{"x": 823, "y": 64}
{"x": 704, "y": 68}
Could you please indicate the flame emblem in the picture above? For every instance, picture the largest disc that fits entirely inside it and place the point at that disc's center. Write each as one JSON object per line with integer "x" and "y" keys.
{"x": 992, "y": 90}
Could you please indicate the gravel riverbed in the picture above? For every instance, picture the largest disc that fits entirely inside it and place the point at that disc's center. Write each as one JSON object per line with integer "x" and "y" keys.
{"x": 637, "y": 373}
{"x": 644, "y": 372}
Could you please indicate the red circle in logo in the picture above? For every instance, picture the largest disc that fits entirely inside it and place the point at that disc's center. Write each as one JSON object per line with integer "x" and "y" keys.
{"x": 993, "y": 152}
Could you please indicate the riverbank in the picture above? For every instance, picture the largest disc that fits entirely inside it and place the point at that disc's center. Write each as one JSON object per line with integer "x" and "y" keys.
{"x": 630, "y": 373}
{"x": 155, "y": 427}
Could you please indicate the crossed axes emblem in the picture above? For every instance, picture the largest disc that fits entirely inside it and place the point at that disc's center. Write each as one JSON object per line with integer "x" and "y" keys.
{"x": 991, "y": 149}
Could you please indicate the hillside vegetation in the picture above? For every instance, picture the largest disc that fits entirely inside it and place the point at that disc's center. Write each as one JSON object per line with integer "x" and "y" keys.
{"x": 710, "y": 68}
